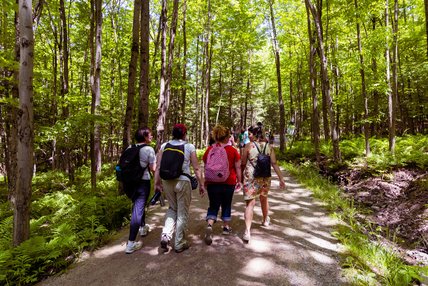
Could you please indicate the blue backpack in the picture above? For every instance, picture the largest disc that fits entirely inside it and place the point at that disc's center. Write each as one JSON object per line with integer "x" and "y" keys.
{"x": 262, "y": 167}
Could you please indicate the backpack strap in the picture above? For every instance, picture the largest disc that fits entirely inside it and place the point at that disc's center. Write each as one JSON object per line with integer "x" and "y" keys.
{"x": 264, "y": 149}
{"x": 139, "y": 148}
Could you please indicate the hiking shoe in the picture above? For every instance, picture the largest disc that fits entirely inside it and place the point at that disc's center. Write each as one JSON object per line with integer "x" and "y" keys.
{"x": 227, "y": 230}
{"x": 144, "y": 230}
{"x": 267, "y": 221}
{"x": 185, "y": 246}
{"x": 246, "y": 237}
{"x": 164, "y": 242}
{"x": 208, "y": 235}
{"x": 132, "y": 246}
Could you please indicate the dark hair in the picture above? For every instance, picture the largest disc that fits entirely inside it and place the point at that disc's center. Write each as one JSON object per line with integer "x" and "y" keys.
{"x": 179, "y": 131}
{"x": 141, "y": 134}
{"x": 257, "y": 132}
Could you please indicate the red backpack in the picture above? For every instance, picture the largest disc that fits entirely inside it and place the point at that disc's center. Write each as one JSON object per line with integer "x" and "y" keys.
{"x": 217, "y": 166}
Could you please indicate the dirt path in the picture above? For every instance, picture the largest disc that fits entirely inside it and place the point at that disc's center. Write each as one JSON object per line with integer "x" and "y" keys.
{"x": 297, "y": 249}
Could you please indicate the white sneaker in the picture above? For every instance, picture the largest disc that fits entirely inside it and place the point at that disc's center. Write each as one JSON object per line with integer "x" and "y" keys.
{"x": 246, "y": 237}
{"x": 267, "y": 221}
{"x": 144, "y": 230}
{"x": 132, "y": 246}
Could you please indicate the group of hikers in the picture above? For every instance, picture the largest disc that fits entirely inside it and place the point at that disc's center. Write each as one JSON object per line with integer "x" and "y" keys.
{"x": 226, "y": 171}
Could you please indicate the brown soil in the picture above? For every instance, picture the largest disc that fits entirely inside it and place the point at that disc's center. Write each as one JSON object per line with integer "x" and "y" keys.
{"x": 398, "y": 202}
{"x": 296, "y": 249}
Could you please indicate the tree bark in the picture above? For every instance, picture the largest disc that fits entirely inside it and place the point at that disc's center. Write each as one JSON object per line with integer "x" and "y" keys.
{"x": 64, "y": 80}
{"x": 21, "y": 198}
{"x": 313, "y": 78}
{"x": 391, "y": 113}
{"x": 426, "y": 22}
{"x": 143, "y": 114}
{"x": 325, "y": 82}
{"x": 363, "y": 83}
{"x": 278, "y": 77}
{"x": 96, "y": 96}
{"x": 132, "y": 75}
{"x": 184, "y": 74}
{"x": 166, "y": 73}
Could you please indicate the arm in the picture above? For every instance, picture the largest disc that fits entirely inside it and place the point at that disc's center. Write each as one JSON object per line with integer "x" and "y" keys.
{"x": 244, "y": 159}
{"x": 276, "y": 168}
{"x": 158, "y": 182}
{"x": 197, "y": 170}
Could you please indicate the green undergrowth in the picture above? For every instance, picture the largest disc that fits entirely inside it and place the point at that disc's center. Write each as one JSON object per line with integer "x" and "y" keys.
{"x": 65, "y": 220}
{"x": 365, "y": 260}
{"x": 411, "y": 151}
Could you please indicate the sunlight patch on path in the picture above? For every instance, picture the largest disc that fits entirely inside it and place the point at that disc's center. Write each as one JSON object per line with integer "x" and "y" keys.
{"x": 258, "y": 267}
{"x": 322, "y": 258}
{"x": 107, "y": 251}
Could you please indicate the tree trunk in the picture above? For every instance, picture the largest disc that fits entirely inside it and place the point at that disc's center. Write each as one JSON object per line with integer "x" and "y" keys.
{"x": 64, "y": 71}
{"x": 426, "y": 22}
{"x": 143, "y": 114}
{"x": 163, "y": 99}
{"x": 325, "y": 82}
{"x": 313, "y": 78}
{"x": 132, "y": 75}
{"x": 21, "y": 198}
{"x": 96, "y": 96}
{"x": 184, "y": 74}
{"x": 391, "y": 112}
{"x": 278, "y": 77}
{"x": 166, "y": 75}
{"x": 363, "y": 83}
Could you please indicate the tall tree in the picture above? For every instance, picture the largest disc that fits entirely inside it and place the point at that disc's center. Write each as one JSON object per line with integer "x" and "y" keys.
{"x": 21, "y": 198}
{"x": 208, "y": 59}
{"x": 184, "y": 66}
{"x": 426, "y": 22}
{"x": 278, "y": 77}
{"x": 312, "y": 77}
{"x": 363, "y": 82}
{"x": 163, "y": 99}
{"x": 96, "y": 95}
{"x": 132, "y": 75}
{"x": 391, "y": 113}
{"x": 143, "y": 114}
{"x": 325, "y": 81}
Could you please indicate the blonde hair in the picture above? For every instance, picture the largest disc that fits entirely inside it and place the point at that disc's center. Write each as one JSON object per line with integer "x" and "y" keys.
{"x": 220, "y": 133}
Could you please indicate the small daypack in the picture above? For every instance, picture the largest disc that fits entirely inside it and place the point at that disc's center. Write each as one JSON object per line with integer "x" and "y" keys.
{"x": 217, "y": 166}
{"x": 171, "y": 165}
{"x": 262, "y": 167}
{"x": 129, "y": 170}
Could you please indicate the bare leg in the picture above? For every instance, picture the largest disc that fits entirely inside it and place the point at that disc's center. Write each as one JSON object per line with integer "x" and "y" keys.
{"x": 265, "y": 206}
{"x": 249, "y": 214}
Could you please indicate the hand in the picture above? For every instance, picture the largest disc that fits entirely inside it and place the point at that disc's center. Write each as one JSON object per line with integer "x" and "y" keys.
{"x": 238, "y": 187}
{"x": 202, "y": 191}
{"x": 158, "y": 188}
{"x": 282, "y": 184}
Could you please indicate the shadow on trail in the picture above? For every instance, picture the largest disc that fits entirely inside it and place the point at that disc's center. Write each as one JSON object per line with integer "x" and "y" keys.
{"x": 296, "y": 249}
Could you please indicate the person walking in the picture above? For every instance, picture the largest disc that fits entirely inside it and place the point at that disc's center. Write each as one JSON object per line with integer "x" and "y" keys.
{"x": 175, "y": 157}
{"x": 143, "y": 137}
{"x": 222, "y": 175}
{"x": 257, "y": 184}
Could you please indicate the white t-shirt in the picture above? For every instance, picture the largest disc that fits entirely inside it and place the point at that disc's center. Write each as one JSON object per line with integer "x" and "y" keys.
{"x": 188, "y": 150}
{"x": 147, "y": 157}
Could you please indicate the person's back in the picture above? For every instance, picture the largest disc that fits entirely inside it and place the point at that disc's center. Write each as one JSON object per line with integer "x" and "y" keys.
{"x": 222, "y": 174}
{"x": 178, "y": 188}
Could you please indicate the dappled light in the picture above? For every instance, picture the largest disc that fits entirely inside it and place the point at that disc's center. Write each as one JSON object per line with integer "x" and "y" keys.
{"x": 295, "y": 249}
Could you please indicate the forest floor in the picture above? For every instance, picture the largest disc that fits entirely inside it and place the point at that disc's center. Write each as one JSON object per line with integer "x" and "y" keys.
{"x": 397, "y": 202}
{"x": 296, "y": 249}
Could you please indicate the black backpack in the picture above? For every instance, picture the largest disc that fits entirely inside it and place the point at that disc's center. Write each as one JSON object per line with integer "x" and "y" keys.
{"x": 129, "y": 170}
{"x": 262, "y": 167}
{"x": 171, "y": 166}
